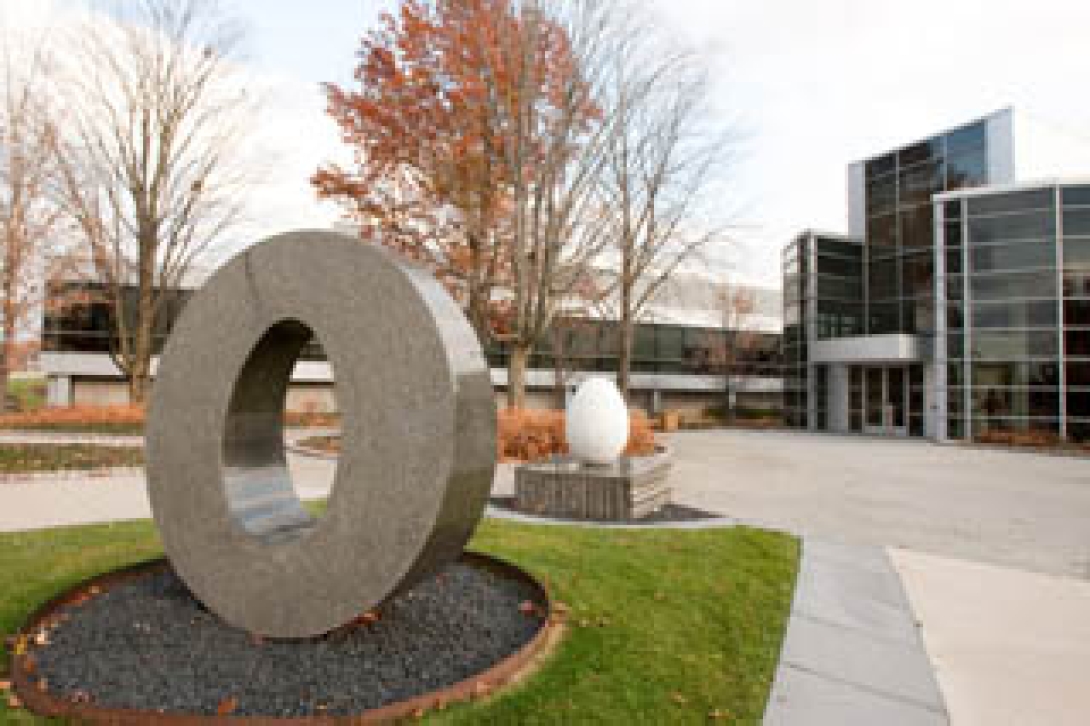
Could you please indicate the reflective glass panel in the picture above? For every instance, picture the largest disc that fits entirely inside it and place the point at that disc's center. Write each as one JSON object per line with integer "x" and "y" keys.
{"x": 1015, "y": 285}
{"x": 1015, "y": 314}
{"x": 1020, "y": 256}
{"x": 1012, "y": 227}
{"x": 1014, "y": 344}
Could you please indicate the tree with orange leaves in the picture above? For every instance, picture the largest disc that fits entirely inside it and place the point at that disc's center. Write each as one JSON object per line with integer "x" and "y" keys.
{"x": 478, "y": 143}
{"x": 427, "y": 180}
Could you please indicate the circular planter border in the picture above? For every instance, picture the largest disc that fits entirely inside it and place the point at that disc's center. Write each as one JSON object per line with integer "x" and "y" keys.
{"x": 510, "y": 670}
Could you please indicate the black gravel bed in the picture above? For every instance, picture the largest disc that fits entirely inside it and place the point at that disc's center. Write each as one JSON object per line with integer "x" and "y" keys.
{"x": 668, "y": 513}
{"x": 148, "y": 644}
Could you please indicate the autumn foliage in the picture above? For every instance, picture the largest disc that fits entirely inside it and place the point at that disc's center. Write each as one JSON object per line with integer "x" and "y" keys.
{"x": 531, "y": 435}
{"x": 77, "y": 418}
{"x": 442, "y": 100}
{"x": 123, "y": 419}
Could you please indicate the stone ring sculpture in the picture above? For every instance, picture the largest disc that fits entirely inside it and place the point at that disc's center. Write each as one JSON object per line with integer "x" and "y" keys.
{"x": 418, "y": 434}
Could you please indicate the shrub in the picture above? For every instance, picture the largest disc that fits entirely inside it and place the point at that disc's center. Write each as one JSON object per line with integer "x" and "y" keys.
{"x": 117, "y": 419}
{"x": 531, "y": 435}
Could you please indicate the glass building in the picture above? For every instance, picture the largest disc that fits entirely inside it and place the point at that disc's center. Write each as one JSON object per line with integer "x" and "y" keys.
{"x": 957, "y": 305}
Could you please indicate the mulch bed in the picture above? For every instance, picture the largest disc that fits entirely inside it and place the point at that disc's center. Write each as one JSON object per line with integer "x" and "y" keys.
{"x": 147, "y": 644}
{"x": 667, "y": 514}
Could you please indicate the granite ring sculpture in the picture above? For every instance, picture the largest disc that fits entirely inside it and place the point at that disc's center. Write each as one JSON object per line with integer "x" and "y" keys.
{"x": 418, "y": 428}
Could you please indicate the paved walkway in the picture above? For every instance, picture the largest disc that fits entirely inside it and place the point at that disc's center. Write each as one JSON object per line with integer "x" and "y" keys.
{"x": 852, "y": 654}
{"x": 1016, "y": 509}
{"x": 35, "y": 504}
{"x": 1009, "y": 647}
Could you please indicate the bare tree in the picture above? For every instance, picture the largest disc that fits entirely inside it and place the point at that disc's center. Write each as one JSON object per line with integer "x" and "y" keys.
{"x": 662, "y": 166}
{"x": 28, "y": 216}
{"x": 554, "y": 141}
{"x": 154, "y": 171}
{"x": 741, "y": 340}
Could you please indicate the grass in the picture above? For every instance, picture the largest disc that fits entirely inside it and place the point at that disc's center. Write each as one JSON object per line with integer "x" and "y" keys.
{"x": 29, "y": 392}
{"x": 23, "y": 458}
{"x": 667, "y": 626}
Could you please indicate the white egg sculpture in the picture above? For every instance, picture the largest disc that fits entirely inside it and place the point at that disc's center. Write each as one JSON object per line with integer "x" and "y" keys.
{"x": 596, "y": 424}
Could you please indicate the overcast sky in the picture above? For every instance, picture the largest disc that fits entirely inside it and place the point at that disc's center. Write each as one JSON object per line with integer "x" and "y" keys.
{"x": 814, "y": 85}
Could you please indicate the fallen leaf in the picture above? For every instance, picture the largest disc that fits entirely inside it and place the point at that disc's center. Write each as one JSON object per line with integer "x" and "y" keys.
{"x": 41, "y": 638}
{"x": 43, "y": 685}
{"x": 418, "y": 714}
{"x": 678, "y": 698}
{"x": 717, "y": 715}
{"x": 80, "y": 697}
{"x": 227, "y": 705}
{"x": 526, "y": 607}
{"x": 5, "y": 685}
{"x": 14, "y": 702}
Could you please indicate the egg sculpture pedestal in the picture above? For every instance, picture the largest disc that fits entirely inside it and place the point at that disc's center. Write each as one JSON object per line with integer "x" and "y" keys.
{"x": 595, "y": 481}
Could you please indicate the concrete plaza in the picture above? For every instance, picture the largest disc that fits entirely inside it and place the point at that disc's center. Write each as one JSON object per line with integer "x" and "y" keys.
{"x": 1017, "y": 509}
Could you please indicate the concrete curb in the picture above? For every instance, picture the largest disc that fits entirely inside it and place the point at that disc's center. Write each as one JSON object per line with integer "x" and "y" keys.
{"x": 852, "y": 654}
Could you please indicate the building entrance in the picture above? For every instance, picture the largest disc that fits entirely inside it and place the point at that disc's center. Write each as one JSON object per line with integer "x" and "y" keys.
{"x": 885, "y": 393}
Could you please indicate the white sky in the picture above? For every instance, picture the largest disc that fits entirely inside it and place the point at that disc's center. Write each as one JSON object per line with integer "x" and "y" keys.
{"x": 814, "y": 84}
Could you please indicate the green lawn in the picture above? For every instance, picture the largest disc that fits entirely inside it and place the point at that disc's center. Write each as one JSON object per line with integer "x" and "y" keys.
{"x": 23, "y": 458}
{"x": 30, "y": 392}
{"x": 667, "y": 626}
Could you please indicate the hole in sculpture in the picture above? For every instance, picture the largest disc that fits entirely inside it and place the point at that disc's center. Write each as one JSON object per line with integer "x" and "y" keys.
{"x": 264, "y": 490}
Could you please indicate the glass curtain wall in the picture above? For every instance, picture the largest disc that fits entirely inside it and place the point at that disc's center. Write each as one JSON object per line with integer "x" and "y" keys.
{"x": 796, "y": 271}
{"x": 1075, "y": 222}
{"x": 1018, "y": 323}
{"x": 900, "y": 224}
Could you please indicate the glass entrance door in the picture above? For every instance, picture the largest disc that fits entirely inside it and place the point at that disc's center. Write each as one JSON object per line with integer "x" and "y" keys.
{"x": 885, "y": 393}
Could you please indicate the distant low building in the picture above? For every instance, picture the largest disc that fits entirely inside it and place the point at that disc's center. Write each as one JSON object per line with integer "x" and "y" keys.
{"x": 693, "y": 352}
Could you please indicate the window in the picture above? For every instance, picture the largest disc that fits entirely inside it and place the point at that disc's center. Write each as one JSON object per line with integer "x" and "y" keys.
{"x": 918, "y": 183}
{"x": 1014, "y": 285}
{"x": 917, "y": 227}
{"x": 968, "y": 169}
{"x": 1076, "y": 312}
{"x": 1076, "y": 222}
{"x": 951, "y": 210}
{"x": 881, "y": 195}
{"x": 920, "y": 152}
{"x": 1011, "y": 202}
{"x": 881, "y": 165}
{"x": 1014, "y": 344}
{"x": 994, "y": 401}
{"x": 1077, "y": 343}
{"x": 967, "y": 137}
{"x": 1076, "y": 196}
{"x": 1016, "y": 374}
{"x": 1025, "y": 255}
{"x": 917, "y": 274}
{"x": 1077, "y": 252}
{"x": 1015, "y": 314}
{"x": 1010, "y": 227}
{"x": 882, "y": 279}
{"x": 882, "y": 233}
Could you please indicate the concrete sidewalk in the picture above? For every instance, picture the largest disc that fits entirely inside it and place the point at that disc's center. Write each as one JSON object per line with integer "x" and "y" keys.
{"x": 852, "y": 655}
{"x": 1009, "y": 647}
{"x": 69, "y": 500}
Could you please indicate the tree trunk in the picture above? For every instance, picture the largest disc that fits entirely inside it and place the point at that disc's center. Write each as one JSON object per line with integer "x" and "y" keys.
{"x": 516, "y": 375}
{"x": 560, "y": 401}
{"x": 6, "y": 364}
{"x": 624, "y": 359}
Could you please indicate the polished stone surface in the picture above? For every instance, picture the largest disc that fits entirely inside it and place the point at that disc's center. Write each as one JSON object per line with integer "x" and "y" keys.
{"x": 419, "y": 434}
